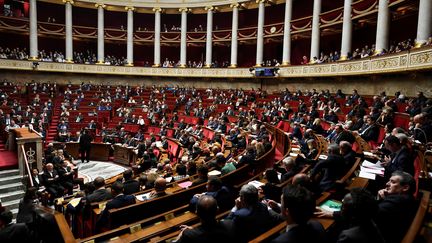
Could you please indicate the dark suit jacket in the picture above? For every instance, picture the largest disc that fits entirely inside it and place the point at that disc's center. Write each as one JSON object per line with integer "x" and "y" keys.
{"x": 371, "y": 134}
{"x": 251, "y": 222}
{"x": 350, "y": 159}
{"x": 401, "y": 160}
{"x": 364, "y": 233}
{"x": 85, "y": 141}
{"x": 344, "y": 136}
{"x": 215, "y": 233}
{"x": 131, "y": 186}
{"x": 49, "y": 180}
{"x": 98, "y": 196}
{"x": 117, "y": 202}
{"x": 313, "y": 231}
{"x": 333, "y": 169}
{"x": 13, "y": 233}
{"x": 395, "y": 214}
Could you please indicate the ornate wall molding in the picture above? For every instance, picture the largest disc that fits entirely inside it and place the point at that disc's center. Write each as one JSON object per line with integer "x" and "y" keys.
{"x": 417, "y": 59}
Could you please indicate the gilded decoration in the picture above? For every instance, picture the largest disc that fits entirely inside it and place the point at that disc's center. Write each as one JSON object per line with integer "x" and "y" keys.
{"x": 417, "y": 59}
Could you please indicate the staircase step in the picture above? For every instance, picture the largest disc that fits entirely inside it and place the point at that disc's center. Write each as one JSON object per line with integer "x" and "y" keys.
{"x": 11, "y": 187}
{"x": 10, "y": 179}
{"x": 11, "y": 204}
{"x": 11, "y": 195}
{"x": 4, "y": 173}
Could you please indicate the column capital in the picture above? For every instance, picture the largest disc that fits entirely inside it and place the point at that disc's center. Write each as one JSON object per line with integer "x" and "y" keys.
{"x": 209, "y": 8}
{"x": 234, "y": 5}
{"x": 157, "y": 9}
{"x": 68, "y": 1}
{"x": 184, "y": 10}
{"x": 97, "y": 5}
{"x": 132, "y": 8}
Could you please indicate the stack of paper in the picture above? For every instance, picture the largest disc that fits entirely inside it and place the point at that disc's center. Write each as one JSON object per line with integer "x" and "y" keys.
{"x": 256, "y": 184}
{"x": 323, "y": 156}
{"x": 370, "y": 170}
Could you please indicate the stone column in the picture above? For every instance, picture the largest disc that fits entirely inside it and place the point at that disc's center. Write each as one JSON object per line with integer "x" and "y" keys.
{"x": 157, "y": 33}
{"x": 130, "y": 35}
{"x": 260, "y": 33}
{"x": 346, "y": 30}
{"x": 286, "y": 53}
{"x": 383, "y": 27}
{"x": 424, "y": 26}
{"x": 209, "y": 44}
{"x": 101, "y": 34}
{"x": 183, "y": 44}
{"x": 234, "y": 34}
{"x": 68, "y": 30}
{"x": 33, "y": 31}
{"x": 315, "y": 43}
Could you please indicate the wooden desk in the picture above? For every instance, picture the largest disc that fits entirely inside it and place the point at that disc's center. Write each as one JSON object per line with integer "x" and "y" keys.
{"x": 123, "y": 155}
{"x": 99, "y": 151}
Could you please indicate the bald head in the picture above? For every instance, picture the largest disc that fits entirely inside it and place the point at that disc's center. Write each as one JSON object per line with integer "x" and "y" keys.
{"x": 207, "y": 208}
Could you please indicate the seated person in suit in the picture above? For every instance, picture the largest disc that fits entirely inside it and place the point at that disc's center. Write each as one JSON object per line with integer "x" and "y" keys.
{"x": 159, "y": 188}
{"x": 399, "y": 159}
{"x": 210, "y": 229}
{"x": 331, "y": 168}
{"x": 10, "y": 232}
{"x": 67, "y": 179}
{"x": 396, "y": 207}
{"x": 290, "y": 168}
{"x": 358, "y": 210}
{"x": 217, "y": 190}
{"x": 100, "y": 193}
{"x": 250, "y": 217}
{"x": 270, "y": 190}
{"x": 369, "y": 131}
{"x": 348, "y": 154}
{"x": 51, "y": 181}
{"x": 119, "y": 200}
{"x": 202, "y": 171}
{"x": 298, "y": 207}
{"x": 130, "y": 185}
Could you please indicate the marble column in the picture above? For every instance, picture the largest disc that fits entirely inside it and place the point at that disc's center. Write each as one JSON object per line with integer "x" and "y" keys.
{"x": 100, "y": 34}
{"x": 157, "y": 33}
{"x": 183, "y": 44}
{"x": 346, "y": 30}
{"x": 234, "y": 35}
{"x": 315, "y": 38}
{"x": 33, "y": 31}
{"x": 383, "y": 27}
{"x": 260, "y": 33}
{"x": 130, "y": 44}
{"x": 286, "y": 53}
{"x": 68, "y": 30}
{"x": 209, "y": 44}
{"x": 424, "y": 26}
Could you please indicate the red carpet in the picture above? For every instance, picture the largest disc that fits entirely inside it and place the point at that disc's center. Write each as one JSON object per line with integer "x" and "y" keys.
{"x": 8, "y": 160}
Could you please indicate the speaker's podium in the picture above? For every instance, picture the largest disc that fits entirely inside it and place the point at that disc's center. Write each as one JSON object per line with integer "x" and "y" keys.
{"x": 29, "y": 147}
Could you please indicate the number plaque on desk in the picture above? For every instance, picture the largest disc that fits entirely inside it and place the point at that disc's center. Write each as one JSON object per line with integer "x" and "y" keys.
{"x": 135, "y": 228}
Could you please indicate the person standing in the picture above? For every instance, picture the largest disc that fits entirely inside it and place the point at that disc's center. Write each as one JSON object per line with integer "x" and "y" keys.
{"x": 85, "y": 146}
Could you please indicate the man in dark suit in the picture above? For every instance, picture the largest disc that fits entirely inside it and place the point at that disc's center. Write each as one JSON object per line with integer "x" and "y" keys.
{"x": 130, "y": 185}
{"x": 210, "y": 230}
{"x": 397, "y": 206}
{"x": 202, "y": 175}
{"x": 67, "y": 179}
{"x": 10, "y": 232}
{"x": 400, "y": 159}
{"x": 216, "y": 190}
{"x": 348, "y": 154}
{"x": 85, "y": 146}
{"x": 370, "y": 131}
{"x": 298, "y": 207}
{"x": 250, "y": 217}
{"x": 332, "y": 168}
{"x": 342, "y": 135}
{"x": 100, "y": 194}
{"x": 119, "y": 200}
{"x": 51, "y": 181}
